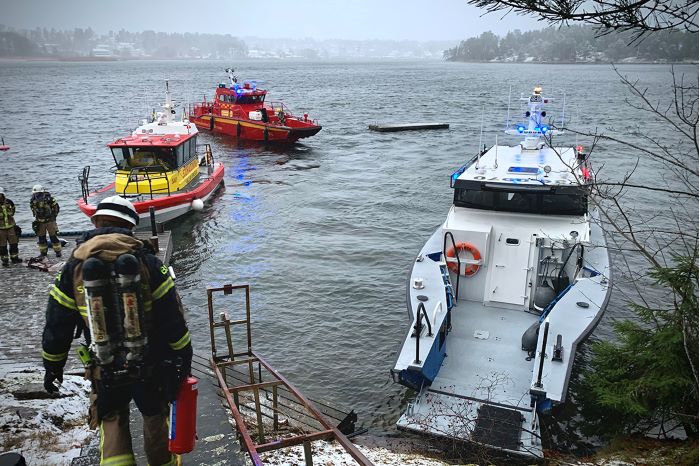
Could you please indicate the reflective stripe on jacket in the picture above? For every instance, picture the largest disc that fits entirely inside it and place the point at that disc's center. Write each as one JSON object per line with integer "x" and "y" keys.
{"x": 7, "y": 210}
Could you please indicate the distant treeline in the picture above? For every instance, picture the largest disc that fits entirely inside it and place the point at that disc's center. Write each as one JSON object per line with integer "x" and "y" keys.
{"x": 85, "y": 42}
{"x": 576, "y": 44}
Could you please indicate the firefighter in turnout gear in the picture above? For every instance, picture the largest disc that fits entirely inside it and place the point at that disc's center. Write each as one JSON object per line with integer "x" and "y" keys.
{"x": 8, "y": 231}
{"x": 45, "y": 210}
{"x": 121, "y": 296}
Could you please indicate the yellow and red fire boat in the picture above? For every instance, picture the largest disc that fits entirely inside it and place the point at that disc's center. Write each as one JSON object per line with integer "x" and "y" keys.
{"x": 159, "y": 165}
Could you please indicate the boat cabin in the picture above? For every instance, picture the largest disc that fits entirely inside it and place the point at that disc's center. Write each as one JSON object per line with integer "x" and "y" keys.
{"x": 245, "y": 94}
{"x": 154, "y": 163}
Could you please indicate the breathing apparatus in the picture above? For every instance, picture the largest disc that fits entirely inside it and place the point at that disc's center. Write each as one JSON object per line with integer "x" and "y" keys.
{"x": 115, "y": 309}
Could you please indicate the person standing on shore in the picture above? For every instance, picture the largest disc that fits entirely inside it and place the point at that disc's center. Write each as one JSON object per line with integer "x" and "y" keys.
{"x": 8, "y": 233}
{"x": 45, "y": 210}
{"x": 139, "y": 345}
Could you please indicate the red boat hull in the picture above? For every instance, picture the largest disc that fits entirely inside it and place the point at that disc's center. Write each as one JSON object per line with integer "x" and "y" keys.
{"x": 250, "y": 130}
{"x": 166, "y": 207}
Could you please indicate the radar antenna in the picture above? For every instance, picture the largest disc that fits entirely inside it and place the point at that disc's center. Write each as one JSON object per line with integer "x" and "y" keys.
{"x": 233, "y": 78}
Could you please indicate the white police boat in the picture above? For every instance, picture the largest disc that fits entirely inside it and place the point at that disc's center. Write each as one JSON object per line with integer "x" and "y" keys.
{"x": 503, "y": 292}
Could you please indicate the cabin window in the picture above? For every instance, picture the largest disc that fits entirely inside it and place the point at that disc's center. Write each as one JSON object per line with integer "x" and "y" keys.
{"x": 222, "y": 98}
{"x": 180, "y": 154}
{"x": 250, "y": 99}
{"x": 193, "y": 147}
{"x": 147, "y": 158}
{"x": 522, "y": 201}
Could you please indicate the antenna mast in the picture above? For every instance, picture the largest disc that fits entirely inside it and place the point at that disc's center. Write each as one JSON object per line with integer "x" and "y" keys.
{"x": 510, "y": 89}
{"x": 482, "y": 127}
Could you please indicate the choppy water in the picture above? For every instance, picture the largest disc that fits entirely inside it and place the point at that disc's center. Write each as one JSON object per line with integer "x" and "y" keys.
{"x": 324, "y": 231}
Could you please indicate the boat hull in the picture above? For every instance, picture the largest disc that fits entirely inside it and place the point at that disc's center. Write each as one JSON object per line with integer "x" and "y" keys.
{"x": 167, "y": 208}
{"x": 252, "y": 130}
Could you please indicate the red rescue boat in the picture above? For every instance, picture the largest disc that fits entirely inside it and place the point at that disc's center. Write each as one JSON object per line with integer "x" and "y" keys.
{"x": 159, "y": 165}
{"x": 4, "y": 147}
{"x": 240, "y": 110}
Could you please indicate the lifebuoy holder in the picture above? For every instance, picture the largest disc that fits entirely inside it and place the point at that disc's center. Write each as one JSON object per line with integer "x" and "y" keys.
{"x": 470, "y": 268}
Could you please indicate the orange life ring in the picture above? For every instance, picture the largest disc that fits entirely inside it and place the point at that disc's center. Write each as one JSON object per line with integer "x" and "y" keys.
{"x": 469, "y": 269}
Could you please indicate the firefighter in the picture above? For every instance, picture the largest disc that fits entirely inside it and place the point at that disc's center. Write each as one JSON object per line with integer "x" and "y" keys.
{"x": 154, "y": 354}
{"x": 8, "y": 231}
{"x": 45, "y": 210}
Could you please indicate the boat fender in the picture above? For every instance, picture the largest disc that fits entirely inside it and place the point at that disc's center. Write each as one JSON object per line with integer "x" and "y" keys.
{"x": 543, "y": 296}
{"x": 266, "y": 134}
{"x": 238, "y": 129}
{"x": 197, "y": 205}
{"x": 211, "y": 123}
{"x": 529, "y": 340}
{"x": 469, "y": 269}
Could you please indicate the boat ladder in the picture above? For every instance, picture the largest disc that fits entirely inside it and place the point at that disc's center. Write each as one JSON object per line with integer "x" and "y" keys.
{"x": 269, "y": 412}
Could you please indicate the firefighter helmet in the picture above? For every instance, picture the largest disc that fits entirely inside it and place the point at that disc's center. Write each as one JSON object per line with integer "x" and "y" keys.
{"x": 117, "y": 206}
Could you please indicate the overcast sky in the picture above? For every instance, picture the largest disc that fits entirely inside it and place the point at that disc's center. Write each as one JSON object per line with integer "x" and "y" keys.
{"x": 320, "y": 19}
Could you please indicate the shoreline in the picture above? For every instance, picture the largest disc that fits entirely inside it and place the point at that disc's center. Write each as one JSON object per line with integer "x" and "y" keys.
{"x": 338, "y": 59}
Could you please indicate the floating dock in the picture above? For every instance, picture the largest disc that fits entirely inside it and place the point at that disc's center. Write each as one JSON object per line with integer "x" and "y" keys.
{"x": 382, "y": 128}
{"x": 28, "y": 249}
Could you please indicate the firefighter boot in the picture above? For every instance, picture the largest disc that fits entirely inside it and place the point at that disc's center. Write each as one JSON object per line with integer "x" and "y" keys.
{"x": 3, "y": 255}
{"x": 43, "y": 246}
{"x": 56, "y": 245}
{"x": 14, "y": 254}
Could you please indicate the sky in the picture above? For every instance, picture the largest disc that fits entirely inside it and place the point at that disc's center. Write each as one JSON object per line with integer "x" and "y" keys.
{"x": 422, "y": 20}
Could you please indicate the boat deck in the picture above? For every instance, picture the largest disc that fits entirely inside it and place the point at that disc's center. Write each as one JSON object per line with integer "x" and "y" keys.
{"x": 482, "y": 390}
{"x": 496, "y": 368}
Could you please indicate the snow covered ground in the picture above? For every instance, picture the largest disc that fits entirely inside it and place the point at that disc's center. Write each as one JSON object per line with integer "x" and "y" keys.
{"x": 46, "y": 430}
{"x": 332, "y": 454}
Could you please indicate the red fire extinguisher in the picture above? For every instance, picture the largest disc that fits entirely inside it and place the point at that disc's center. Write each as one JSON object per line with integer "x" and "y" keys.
{"x": 183, "y": 418}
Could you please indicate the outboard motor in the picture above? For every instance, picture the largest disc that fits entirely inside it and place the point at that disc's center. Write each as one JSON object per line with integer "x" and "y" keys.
{"x": 104, "y": 327}
{"x": 130, "y": 299}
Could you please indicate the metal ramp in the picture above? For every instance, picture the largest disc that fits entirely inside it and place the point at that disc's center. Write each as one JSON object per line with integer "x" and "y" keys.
{"x": 269, "y": 413}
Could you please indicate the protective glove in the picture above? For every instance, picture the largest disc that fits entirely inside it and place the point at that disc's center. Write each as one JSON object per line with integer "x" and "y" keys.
{"x": 54, "y": 371}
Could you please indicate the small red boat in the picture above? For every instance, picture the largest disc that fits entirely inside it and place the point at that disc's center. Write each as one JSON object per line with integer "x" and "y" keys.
{"x": 4, "y": 147}
{"x": 240, "y": 110}
{"x": 159, "y": 165}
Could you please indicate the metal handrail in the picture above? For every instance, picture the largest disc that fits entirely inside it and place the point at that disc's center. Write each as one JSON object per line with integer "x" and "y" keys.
{"x": 418, "y": 328}
{"x": 459, "y": 263}
{"x": 207, "y": 153}
{"x": 543, "y": 355}
{"x": 84, "y": 186}
{"x": 137, "y": 171}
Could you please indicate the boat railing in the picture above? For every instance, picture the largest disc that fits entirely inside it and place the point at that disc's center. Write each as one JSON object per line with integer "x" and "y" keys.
{"x": 84, "y": 186}
{"x": 418, "y": 329}
{"x": 276, "y": 106}
{"x": 208, "y": 159}
{"x": 147, "y": 174}
{"x": 459, "y": 262}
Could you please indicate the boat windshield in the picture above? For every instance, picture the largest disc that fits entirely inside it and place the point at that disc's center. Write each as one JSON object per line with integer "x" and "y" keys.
{"x": 250, "y": 99}
{"x": 156, "y": 158}
{"x": 522, "y": 201}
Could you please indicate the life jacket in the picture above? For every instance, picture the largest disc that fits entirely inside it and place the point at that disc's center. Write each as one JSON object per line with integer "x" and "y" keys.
{"x": 42, "y": 207}
{"x": 123, "y": 307}
{"x": 7, "y": 210}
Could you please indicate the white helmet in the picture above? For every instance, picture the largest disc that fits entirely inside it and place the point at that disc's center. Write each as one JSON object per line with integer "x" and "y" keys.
{"x": 117, "y": 206}
{"x": 37, "y": 189}
{"x": 2, "y": 190}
